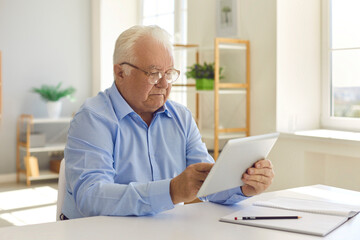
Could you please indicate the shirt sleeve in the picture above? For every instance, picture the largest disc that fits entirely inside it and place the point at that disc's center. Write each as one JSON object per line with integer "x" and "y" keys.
{"x": 90, "y": 173}
{"x": 227, "y": 197}
{"x": 197, "y": 152}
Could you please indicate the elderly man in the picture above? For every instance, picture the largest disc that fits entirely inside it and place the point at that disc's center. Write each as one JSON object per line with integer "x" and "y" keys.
{"x": 131, "y": 151}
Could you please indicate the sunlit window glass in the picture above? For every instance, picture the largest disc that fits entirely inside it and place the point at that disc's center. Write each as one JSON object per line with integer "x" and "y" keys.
{"x": 345, "y": 58}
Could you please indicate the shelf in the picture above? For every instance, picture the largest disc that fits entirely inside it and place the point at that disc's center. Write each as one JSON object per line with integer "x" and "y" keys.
{"x": 45, "y": 174}
{"x": 209, "y": 134}
{"x": 52, "y": 120}
{"x": 47, "y": 148}
{"x": 225, "y": 46}
{"x": 232, "y": 46}
{"x": 208, "y": 138}
{"x": 232, "y": 91}
{"x": 25, "y": 150}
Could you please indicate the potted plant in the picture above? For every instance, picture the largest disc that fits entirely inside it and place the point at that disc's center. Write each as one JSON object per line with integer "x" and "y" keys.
{"x": 52, "y": 95}
{"x": 203, "y": 75}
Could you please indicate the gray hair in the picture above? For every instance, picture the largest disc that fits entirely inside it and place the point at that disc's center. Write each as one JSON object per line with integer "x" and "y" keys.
{"x": 124, "y": 51}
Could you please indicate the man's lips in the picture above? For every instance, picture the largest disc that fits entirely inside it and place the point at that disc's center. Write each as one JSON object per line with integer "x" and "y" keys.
{"x": 158, "y": 94}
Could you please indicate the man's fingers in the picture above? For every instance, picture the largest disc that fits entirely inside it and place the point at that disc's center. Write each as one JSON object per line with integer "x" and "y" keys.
{"x": 183, "y": 188}
{"x": 264, "y": 163}
{"x": 257, "y": 186}
{"x": 258, "y": 178}
{"x": 262, "y": 171}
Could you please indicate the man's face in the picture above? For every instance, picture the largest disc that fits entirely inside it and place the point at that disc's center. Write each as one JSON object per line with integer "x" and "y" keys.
{"x": 141, "y": 95}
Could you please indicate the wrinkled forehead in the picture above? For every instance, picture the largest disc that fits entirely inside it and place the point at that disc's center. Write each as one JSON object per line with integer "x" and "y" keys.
{"x": 151, "y": 53}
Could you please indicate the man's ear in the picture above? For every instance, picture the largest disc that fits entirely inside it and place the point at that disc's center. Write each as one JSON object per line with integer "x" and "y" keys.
{"x": 118, "y": 71}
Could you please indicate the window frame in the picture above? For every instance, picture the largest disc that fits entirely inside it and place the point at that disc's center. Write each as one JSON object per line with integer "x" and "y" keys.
{"x": 328, "y": 121}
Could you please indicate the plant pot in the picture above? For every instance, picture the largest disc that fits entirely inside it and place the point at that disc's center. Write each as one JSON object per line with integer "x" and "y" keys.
{"x": 204, "y": 84}
{"x": 54, "y": 109}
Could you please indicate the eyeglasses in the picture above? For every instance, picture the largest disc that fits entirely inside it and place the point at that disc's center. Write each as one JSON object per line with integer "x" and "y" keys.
{"x": 170, "y": 75}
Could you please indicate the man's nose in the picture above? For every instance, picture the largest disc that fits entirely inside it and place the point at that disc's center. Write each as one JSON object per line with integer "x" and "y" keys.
{"x": 162, "y": 83}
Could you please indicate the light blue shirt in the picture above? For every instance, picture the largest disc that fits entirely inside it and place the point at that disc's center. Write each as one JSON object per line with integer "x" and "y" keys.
{"x": 117, "y": 165}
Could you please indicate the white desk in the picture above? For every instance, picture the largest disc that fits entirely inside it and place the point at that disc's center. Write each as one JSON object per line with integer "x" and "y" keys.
{"x": 192, "y": 221}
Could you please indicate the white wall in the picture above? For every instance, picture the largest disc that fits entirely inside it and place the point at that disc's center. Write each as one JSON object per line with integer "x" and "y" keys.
{"x": 301, "y": 161}
{"x": 43, "y": 42}
{"x": 257, "y": 23}
{"x": 298, "y": 64}
{"x": 115, "y": 17}
{"x": 201, "y": 24}
{"x": 109, "y": 19}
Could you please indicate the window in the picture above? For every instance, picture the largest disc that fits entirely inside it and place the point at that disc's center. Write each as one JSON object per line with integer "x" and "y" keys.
{"x": 159, "y": 12}
{"x": 341, "y": 64}
{"x": 171, "y": 15}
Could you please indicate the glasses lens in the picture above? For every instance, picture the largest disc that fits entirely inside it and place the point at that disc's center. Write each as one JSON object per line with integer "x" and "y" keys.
{"x": 154, "y": 77}
{"x": 171, "y": 75}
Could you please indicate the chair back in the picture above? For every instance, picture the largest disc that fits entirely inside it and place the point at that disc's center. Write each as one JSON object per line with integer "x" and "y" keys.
{"x": 61, "y": 190}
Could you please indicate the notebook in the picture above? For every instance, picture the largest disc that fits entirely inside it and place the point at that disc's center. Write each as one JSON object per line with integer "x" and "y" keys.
{"x": 317, "y": 217}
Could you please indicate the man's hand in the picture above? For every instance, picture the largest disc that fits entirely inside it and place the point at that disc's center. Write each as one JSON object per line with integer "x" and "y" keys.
{"x": 257, "y": 178}
{"x": 184, "y": 187}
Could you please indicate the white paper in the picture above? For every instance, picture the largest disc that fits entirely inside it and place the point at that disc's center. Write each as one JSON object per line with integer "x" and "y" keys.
{"x": 309, "y": 223}
{"x": 310, "y": 206}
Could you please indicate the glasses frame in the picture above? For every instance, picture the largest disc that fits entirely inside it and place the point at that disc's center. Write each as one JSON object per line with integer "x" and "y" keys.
{"x": 161, "y": 74}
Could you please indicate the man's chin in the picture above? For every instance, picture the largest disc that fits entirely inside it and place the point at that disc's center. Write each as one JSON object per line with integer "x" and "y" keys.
{"x": 156, "y": 106}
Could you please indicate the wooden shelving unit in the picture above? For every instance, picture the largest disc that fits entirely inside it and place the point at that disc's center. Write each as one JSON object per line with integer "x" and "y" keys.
{"x": 25, "y": 125}
{"x": 230, "y": 88}
{"x": 222, "y": 88}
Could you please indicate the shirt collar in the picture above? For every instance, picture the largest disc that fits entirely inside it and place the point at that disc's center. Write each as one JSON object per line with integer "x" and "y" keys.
{"x": 164, "y": 109}
{"x": 122, "y": 108}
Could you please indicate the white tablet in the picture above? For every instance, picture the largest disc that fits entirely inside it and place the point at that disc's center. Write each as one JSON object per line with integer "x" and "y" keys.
{"x": 235, "y": 158}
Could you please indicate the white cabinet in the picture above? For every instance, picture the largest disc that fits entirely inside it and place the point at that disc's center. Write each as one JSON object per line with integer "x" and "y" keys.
{"x": 25, "y": 147}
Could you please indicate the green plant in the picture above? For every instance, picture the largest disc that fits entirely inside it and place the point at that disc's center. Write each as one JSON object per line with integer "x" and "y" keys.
{"x": 54, "y": 93}
{"x": 226, "y": 10}
{"x": 207, "y": 70}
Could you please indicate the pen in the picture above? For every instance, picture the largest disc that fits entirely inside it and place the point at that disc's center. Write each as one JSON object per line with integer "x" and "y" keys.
{"x": 267, "y": 218}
